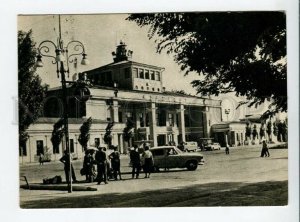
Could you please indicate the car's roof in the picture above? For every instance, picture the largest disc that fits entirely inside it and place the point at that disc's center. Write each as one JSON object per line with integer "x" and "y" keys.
{"x": 161, "y": 147}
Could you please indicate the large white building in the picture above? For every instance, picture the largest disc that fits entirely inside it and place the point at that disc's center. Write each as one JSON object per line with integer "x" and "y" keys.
{"x": 122, "y": 91}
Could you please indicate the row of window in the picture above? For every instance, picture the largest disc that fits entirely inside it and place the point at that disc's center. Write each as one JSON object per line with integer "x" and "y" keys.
{"x": 146, "y": 74}
{"x": 147, "y": 88}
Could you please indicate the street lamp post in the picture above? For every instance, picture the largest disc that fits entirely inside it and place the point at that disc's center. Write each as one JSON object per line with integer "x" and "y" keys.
{"x": 61, "y": 58}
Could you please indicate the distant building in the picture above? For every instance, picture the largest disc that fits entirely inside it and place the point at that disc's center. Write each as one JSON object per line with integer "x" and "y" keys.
{"x": 124, "y": 91}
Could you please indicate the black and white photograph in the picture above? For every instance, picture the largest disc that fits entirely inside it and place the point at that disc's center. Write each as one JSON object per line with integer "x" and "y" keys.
{"x": 150, "y": 111}
{"x": 153, "y": 109}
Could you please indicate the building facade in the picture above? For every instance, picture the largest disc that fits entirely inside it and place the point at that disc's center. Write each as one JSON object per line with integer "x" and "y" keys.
{"x": 124, "y": 91}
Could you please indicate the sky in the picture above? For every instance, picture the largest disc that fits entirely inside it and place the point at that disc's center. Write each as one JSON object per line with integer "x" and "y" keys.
{"x": 100, "y": 34}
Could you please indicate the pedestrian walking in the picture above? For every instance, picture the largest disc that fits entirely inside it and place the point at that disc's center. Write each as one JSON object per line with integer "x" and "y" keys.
{"x": 100, "y": 159}
{"x": 135, "y": 162}
{"x": 41, "y": 159}
{"x": 265, "y": 149}
{"x": 115, "y": 163}
{"x": 227, "y": 149}
{"x": 148, "y": 162}
{"x": 65, "y": 159}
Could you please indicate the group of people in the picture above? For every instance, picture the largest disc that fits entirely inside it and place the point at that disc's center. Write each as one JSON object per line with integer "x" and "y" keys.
{"x": 138, "y": 161}
{"x": 108, "y": 166}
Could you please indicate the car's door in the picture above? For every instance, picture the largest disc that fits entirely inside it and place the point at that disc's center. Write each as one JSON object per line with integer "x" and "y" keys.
{"x": 173, "y": 159}
{"x": 159, "y": 157}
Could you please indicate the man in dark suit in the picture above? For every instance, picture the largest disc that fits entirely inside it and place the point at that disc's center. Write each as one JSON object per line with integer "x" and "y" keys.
{"x": 101, "y": 161}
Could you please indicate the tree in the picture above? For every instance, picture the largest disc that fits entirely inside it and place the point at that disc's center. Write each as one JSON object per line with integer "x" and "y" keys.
{"x": 275, "y": 129}
{"x": 57, "y": 135}
{"x": 262, "y": 131}
{"x": 107, "y": 135}
{"x": 254, "y": 132}
{"x": 31, "y": 91}
{"x": 269, "y": 130}
{"x": 84, "y": 136}
{"x": 127, "y": 132}
{"x": 248, "y": 130}
{"x": 244, "y": 52}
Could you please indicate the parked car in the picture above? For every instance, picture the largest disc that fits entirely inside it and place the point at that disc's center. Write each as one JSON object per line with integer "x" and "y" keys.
{"x": 190, "y": 146}
{"x": 212, "y": 146}
{"x": 172, "y": 157}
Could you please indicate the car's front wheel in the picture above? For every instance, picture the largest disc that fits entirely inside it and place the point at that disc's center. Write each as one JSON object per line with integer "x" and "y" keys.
{"x": 192, "y": 165}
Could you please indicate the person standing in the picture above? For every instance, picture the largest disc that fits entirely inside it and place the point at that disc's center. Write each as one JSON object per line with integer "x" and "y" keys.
{"x": 101, "y": 161}
{"x": 88, "y": 166}
{"x": 41, "y": 159}
{"x": 115, "y": 163}
{"x": 135, "y": 161}
{"x": 148, "y": 162}
{"x": 65, "y": 159}
{"x": 227, "y": 149}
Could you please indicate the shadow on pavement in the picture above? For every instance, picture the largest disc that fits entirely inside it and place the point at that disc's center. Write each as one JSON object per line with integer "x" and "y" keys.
{"x": 270, "y": 193}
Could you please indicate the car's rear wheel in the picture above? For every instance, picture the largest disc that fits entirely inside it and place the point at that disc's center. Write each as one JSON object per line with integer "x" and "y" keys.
{"x": 192, "y": 165}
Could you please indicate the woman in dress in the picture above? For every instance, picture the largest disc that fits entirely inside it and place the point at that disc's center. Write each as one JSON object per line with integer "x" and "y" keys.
{"x": 148, "y": 162}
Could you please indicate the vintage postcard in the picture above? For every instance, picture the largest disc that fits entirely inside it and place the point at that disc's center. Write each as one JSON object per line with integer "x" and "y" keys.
{"x": 185, "y": 109}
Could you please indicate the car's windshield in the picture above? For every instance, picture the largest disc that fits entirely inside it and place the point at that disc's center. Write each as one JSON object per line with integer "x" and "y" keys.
{"x": 177, "y": 150}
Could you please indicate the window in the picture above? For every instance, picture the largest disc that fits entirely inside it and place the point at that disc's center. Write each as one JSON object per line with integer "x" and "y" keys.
{"x": 152, "y": 75}
{"x": 153, "y": 89}
{"x": 161, "y": 118}
{"x": 141, "y": 71}
{"x": 142, "y": 88}
{"x": 158, "y": 89}
{"x": 120, "y": 117}
{"x": 97, "y": 142}
{"x": 108, "y": 76}
{"x": 108, "y": 114}
{"x": 141, "y": 116}
{"x": 146, "y": 74}
{"x": 148, "y": 88}
{"x": 157, "y": 76}
{"x": 158, "y": 152}
{"x": 135, "y": 72}
{"x": 171, "y": 119}
{"x": 71, "y": 145}
{"x": 136, "y": 87}
{"x": 147, "y": 119}
{"x": 127, "y": 73}
{"x": 102, "y": 78}
{"x": 187, "y": 122}
{"x": 129, "y": 117}
{"x": 39, "y": 147}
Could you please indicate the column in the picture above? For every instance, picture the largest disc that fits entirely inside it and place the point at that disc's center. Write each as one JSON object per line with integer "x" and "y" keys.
{"x": 153, "y": 124}
{"x": 181, "y": 121}
{"x": 115, "y": 139}
{"x": 115, "y": 108}
{"x": 205, "y": 122}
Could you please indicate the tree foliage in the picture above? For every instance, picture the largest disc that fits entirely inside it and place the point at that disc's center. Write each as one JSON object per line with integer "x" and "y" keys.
{"x": 31, "y": 91}
{"x": 248, "y": 130}
{"x": 57, "y": 134}
{"x": 243, "y": 52}
{"x": 84, "y": 136}
{"x": 127, "y": 132}
{"x": 107, "y": 135}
